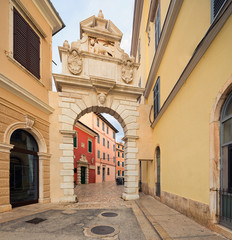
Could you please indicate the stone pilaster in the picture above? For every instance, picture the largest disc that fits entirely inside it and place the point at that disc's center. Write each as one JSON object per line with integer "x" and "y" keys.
{"x": 44, "y": 177}
{"x": 68, "y": 166}
{"x": 131, "y": 169}
{"x": 4, "y": 177}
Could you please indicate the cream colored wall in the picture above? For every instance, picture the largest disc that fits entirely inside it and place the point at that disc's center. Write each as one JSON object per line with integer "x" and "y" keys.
{"x": 183, "y": 131}
{"x": 14, "y": 72}
{"x": 188, "y": 31}
{"x": 55, "y": 140}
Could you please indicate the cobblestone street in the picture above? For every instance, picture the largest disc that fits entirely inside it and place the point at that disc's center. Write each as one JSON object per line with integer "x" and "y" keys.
{"x": 106, "y": 194}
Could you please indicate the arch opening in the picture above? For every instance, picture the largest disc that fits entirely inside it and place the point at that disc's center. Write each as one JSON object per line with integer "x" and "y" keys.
{"x": 24, "y": 169}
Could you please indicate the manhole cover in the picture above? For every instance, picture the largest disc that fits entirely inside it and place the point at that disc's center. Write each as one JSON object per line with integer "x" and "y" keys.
{"x": 102, "y": 230}
{"x": 109, "y": 214}
{"x": 36, "y": 220}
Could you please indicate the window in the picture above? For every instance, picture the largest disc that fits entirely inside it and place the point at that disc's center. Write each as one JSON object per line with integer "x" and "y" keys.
{"x": 123, "y": 173}
{"x": 118, "y": 172}
{"x": 118, "y": 154}
{"x": 108, "y": 144}
{"x": 89, "y": 146}
{"x": 98, "y": 122}
{"x": 98, "y": 154}
{"x": 108, "y": 171}
{"x": 122, "y": 164}
{"x": 156, "y": 97}
{"x": 139, "y": 85}
{"x": 98, "y": 170}
{"x": 104, "y": 156}
{"x": 26, "y": 45}
{"x": 108, "y": 157}
{"x": 113, "y": 147}
{"x": 103, "y": 126}
{"x": 114, "y": 159}
{"x": 75, "y": 142}
{"x": 107, "y": 130}
{"x": 118, "y": 146}
{"x": 122, "y": 155}
{"x": 118, "y": 164}
{"x": 113, "y": 135}
{"x": 98, "y": 138}
{"x": 216, "y": 6}
{"x": 157, "y": 27}
{"x": 122, "y": 147}
{"x": 104, "y": 142}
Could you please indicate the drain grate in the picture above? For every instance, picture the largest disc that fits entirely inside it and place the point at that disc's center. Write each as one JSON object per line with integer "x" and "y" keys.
{"x": 36, "y": 220}
{"x": 109, "y": 214}
{"x": 102, "y": 230}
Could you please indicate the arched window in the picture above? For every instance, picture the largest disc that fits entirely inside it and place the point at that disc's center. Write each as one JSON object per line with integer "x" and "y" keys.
{"x": 226, "y": 145}
{"x": 158, "y": 171}
{"x": 24, "y": 173}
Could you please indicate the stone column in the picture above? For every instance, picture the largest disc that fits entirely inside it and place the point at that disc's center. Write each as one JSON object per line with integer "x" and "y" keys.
{"x": 68, "y": 166}
{"x": 131, "y": 189}
{"x": 44, "y": 177}
{"x": 87, "y": 175}
{"x": 4, "y": 177}
{"x": 78, "y": 174}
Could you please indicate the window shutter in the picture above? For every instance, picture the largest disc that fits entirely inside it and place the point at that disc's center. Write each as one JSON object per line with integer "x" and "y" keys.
{"x": 33, "y": 53}
{"x": 157, "y": 27}
{"x": 217, "y": 5}
{"x": 26, "y": 45}
{"x": 20, "y": 39}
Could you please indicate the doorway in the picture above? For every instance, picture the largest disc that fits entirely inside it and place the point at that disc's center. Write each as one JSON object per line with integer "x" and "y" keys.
{"x": 24, "y": 169}
{"x": 103, "y": 174}
{"x": 83, "y": 172}
{"x": 158, "y": 172}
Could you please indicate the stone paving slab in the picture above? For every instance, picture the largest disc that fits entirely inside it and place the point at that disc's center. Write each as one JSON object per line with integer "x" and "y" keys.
{"x": 171, "y": 224}
{"x": 71, "y": 224}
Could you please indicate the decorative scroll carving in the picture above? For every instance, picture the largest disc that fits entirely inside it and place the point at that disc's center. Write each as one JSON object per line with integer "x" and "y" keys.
{"x": 83, "y": 158}
{"x": 74, "y": 62}
{"x": 29, "y": 121}
{"x": 127, "y": 69}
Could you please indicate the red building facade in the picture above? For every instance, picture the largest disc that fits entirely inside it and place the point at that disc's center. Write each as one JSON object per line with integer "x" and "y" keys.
{"x": 84, "y": 154}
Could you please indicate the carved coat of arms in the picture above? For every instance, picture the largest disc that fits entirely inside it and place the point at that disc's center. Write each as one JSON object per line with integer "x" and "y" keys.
{"x": 74, "y": 62}
{"x": 127, "y": 71}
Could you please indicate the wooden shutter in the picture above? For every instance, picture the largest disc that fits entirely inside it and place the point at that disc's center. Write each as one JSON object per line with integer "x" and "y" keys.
{"x": 217, "y": 5}
{"x": 20, "y": 39}
{"x": 26, "y": 45}
{"x": 157, "y": 27}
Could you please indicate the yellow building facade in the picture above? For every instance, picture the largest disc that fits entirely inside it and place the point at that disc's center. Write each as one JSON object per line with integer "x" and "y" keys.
{"x": 25, "y": 81}
{"x": 183, "y": 48}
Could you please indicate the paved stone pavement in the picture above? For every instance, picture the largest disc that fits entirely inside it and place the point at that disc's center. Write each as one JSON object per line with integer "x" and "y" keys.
{"x": 75, "y": 221}
{"x": 143, "y": 219}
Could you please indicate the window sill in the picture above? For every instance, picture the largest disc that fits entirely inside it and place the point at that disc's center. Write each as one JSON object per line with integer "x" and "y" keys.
{"x": 10, "y": 57}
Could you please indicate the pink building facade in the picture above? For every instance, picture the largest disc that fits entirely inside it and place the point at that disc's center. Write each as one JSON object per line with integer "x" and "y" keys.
{"x": 105, "y": 158}
{"x": 120, "y": 160}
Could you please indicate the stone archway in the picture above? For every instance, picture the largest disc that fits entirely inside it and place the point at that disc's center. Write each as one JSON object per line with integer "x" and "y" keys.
{"x": 44, "y": 157}
{"x": 97, "y": 76}
{"x": 215, "y": 151}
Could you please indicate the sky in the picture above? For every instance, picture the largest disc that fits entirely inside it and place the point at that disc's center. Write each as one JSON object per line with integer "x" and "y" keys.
{"x": 72, "y": 12}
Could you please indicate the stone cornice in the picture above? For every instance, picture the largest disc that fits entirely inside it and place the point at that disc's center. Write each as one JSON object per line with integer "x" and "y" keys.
{"x": 173, "y": 11}
{"x": 48, "y": 11}
{"x": 5, "y": 148}
{"x": 68, "y": 132}
{"x": 22, "y": 93}
{"x": 202, "y": 47}
{"x": 138, "y": 9}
